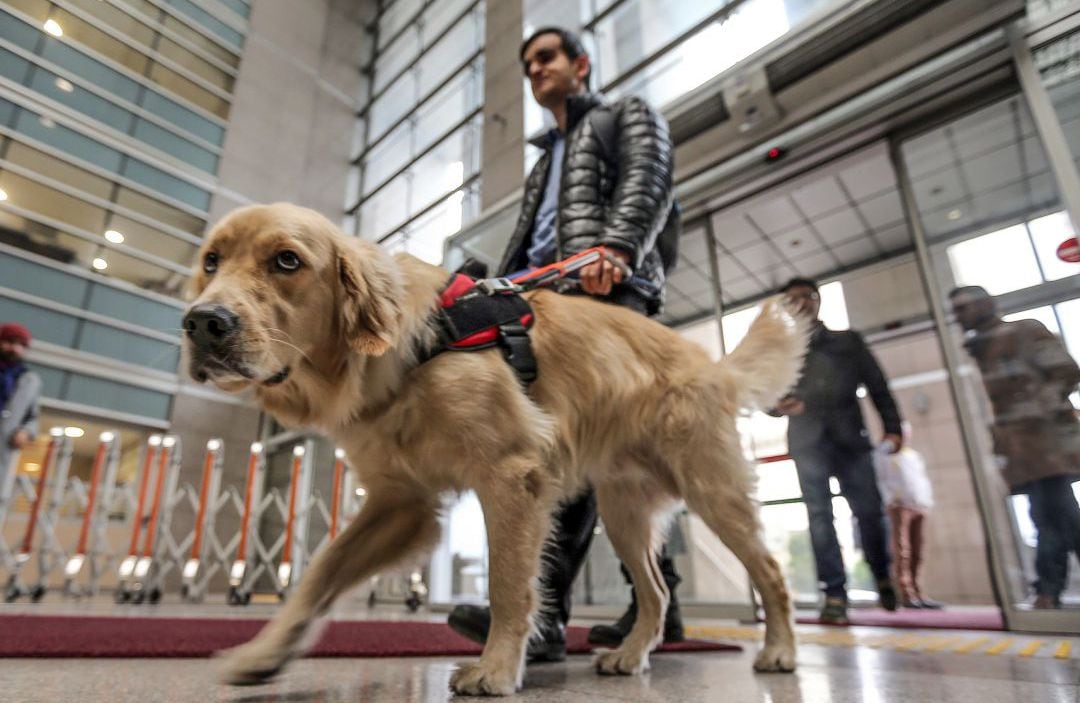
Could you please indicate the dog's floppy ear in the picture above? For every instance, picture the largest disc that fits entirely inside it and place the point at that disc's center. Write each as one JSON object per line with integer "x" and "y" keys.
{"x": 372, "y": 297}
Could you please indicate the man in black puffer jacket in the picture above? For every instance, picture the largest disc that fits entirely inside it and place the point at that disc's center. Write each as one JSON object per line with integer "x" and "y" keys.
{"x": 604, "y": 180}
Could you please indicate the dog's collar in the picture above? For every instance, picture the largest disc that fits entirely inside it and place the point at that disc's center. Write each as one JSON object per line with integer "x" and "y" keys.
{"x": 474, "y": 315}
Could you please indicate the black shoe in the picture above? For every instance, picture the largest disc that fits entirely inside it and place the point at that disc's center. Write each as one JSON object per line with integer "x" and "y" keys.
{"x": 887, "y": 595}
{"x": 834, "y": 612}
{"x": 613, "y": 635}
{"x": 931, "y": 604}
{"x": 474, "y": 622}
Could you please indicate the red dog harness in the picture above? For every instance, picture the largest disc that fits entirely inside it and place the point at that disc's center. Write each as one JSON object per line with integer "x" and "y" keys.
{"x": 475, "y": 315}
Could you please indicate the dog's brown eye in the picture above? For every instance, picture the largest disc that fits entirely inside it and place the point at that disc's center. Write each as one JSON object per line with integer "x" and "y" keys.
{"x": 210, "y": 262}
{"x": 287, "y": 261}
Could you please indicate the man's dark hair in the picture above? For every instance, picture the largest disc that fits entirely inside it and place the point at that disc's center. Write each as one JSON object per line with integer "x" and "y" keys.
{"x": 571, "y": 45}
{"x": 974, "y": 291}
{"x": 799, "y": 283}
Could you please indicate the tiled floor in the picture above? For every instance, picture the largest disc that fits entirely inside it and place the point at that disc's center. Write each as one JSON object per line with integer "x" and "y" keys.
{"x": 835, "y": 666}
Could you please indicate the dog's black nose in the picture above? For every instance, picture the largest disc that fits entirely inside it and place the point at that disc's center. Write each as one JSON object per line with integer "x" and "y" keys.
{"x": 209, "y": 326}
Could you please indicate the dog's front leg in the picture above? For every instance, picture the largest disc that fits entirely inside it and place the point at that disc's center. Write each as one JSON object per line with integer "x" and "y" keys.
{"x": 516, "y": 514}
{"x": 388, "y": 529}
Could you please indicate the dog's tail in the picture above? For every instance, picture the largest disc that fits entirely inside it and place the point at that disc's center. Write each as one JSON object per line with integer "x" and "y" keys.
{"x": 767, "y": 362}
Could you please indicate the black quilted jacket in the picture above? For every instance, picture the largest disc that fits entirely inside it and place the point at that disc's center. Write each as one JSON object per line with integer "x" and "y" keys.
{"x": 621, "y": 203}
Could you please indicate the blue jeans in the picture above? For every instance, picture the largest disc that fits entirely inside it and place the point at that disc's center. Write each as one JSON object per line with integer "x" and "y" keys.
{"x": 854, "y": 470}
{"x": 1057, "y": 517}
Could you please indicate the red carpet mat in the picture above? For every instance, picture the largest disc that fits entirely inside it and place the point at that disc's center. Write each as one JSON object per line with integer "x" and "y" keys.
{"x": 55, "y": 636}
{"x": 948, "y": 619}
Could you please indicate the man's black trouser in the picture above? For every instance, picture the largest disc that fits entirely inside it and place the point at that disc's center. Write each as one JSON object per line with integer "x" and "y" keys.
{"x": 573, "y": 526}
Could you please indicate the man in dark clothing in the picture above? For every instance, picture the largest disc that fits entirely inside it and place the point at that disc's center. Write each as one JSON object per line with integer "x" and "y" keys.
{"x": 1028, "y": 375}
{"x": 827, "y": 437}
{"x": 604, "y": 180}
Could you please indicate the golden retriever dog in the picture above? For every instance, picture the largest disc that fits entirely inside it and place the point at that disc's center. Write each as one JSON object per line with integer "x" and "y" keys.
{"x": 327, "y": 331}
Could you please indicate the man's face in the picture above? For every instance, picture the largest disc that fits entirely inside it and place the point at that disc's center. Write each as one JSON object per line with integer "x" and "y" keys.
{"x": 11, "y": 350}
{"x": 552, "y": 76}
{"x": 806, "y": 299}
{"x": 972, "y": 310}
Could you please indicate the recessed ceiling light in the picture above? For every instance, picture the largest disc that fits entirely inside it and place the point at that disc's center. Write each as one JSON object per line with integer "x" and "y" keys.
{"x": 73, "y": 432}
{"x": 3, "y": 195}
{"x": 99, "y": 264}
{"x": 53, "y": 27}
{"x": 954, "y": 214}
{"x": 64, "y": 85}
{"x": 113, "y": 236}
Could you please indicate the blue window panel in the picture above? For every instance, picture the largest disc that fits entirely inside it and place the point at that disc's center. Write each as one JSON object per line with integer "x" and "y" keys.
{"x": 183, "y": 118}
{"x": 129, "y": 347}
{"x": 46, "y": 325}
{"x": 44, "y": 282}
{"x": 18, "y": 32}
{"x": 52, "y": 381}
{"x": 134, "y": 309}
{"x": 238, "y": 6}
{"x": 68, "y": 141}
{"x": 85, "y": 102}
{"x": 120, "y": 397}
{"x": 207, "y": 20}
{"x": 91, "y": 70}
{"x": 177, "y": 146}
{"x": 13, "y": 66}
{"x": 158, "y": 180}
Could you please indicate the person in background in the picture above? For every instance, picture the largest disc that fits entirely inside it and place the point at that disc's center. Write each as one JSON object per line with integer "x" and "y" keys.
{"x": 908, "y": 496}
{"x": 828, "y": 438}
{"x": 20, "y": 389}
{"x": 604, "y": 179}
{"x": 1028, "y": 375}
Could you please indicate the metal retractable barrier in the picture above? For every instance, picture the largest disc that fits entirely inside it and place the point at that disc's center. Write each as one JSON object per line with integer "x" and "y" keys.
{"x": 139, "y": 519}
{"x": 293, "y": 553}
{"x": 92, "y": 545}
{"x": 42, "y": 521}
{"x": 200, "y": 568}
{"x": 151, "y": 566}
{"x": 241, "y": 578}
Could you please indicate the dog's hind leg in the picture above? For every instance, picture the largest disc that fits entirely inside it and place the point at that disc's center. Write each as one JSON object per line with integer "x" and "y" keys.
{"x": 719, "y": 493}
{"x": 388, "y": 529}
{"x": 516, "y": 503}
{"x": 630, "y": 512}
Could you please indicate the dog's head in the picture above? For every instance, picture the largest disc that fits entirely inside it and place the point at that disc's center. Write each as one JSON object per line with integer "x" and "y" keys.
{"x": 278, "y": 289}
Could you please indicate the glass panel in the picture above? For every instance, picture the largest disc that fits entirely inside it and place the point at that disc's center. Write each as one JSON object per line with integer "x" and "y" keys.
{"x": 201, "y": 41}
{"x": 385, "y": 210}
{"x": 76, "y": 30}
{"x": 384, "y": 160}
{"x": 14, "y": 67}
{"x": 47, "y": 325}
{"x": 35, "y": 9}
{"x": 117, "y": 20}
{"x": 132, "y": 348}
{"x": 121, "y": 397}
{"x": 148, "y": 239}
{"x": 170, "y": 80}
{"x": 68, "y": 141}
{"x": 50, "y": 202}
{"x": 1059, "y": 65}
{"x": 998, "y": 230}
{"x": 394, "y": 17}
{"x": 177, "y": 146}
{"x": 161, "y": 212}
{"x": 77, "y": 98}
{"x": 92, "y": 70}
{"x": 208, "y": 21}
{"x": 439, "y": 15}
{"x": 137, "y": 271}
{"x": 441, "y": 59}
{"x": 396, "y": 57}
{"x": 184, "y": 118}
{"x": 449, "y": 106}
{"x": 440, "y": 171}
{"x": 136, "y": 309}
{"x": 52, "y": 167}
{"x": 392, "y": 105}
{"x": 1048, "y": 233}
{"x": 200, "y": 67}
{"x": 42, "y": 281}
{"x": 167, "y": 184}
{"x": 426, "y": 236}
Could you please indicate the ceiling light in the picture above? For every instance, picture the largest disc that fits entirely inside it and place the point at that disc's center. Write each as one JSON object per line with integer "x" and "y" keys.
{"x": 99, "y": 264}
{"x": 3, "y": 195}
{"x": 74, "y": 432}
{"x": 113, "y": 236}
{"x": 53, "y": 27}
{"x": 65, "y": 85}
{"x": 954, "y": 214}
{"x": 107, "y": 436}
{"x": 31, "y": 468}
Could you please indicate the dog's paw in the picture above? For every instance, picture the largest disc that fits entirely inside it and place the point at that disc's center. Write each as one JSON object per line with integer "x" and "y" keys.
{"x": 622, "y": 661}
{"x": 250, "y": 664}
{"x": 775, "y": 658}
{"x": 478, "y": 679}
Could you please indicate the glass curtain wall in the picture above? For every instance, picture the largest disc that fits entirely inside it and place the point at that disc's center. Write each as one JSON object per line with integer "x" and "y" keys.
{"x": 417, "y": 166}
{"x": 112, "y": 117}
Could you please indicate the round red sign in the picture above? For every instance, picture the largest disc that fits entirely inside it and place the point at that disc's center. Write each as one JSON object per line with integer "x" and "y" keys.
{"x": 1069, "y": 250}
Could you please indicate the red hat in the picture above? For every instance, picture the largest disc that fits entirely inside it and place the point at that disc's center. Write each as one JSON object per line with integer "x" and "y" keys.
{"x": 14, "y": 332}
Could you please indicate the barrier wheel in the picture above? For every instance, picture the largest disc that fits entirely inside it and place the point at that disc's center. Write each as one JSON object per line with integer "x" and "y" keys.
{"x": 37, "y": 593}
{"x": 138, "y": 597}
{"x": 185, "y": 591}
{"x": 413, "y": 603}
{"x": 246, "y": 599}
{"x": 233, "y": 597}
{"x": 371, "y": 599}
{"x": 12, "y": 593}
{"x": 281, "y": 595}
{"x": 155, "y": 595}
{"x": 122, "y": 596}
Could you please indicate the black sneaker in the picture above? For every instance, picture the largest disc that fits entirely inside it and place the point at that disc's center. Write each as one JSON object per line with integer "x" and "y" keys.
{"x": 834, "y": 612}
{"x": 613, "y": 635}
{"x": 887, "y": 595}
{"x": 474, "y": 622}
{"x": 930, "y": 604}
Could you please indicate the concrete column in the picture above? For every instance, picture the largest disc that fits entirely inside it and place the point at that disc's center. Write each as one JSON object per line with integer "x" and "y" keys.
{"x": 503, "y": 164}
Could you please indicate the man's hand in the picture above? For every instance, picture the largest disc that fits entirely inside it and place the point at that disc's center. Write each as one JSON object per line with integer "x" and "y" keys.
{"x": 598, "y": 278}
{"x": 791, "y": 406}
{"x": 896, "y": 440}
{"x": 20, "y": 439}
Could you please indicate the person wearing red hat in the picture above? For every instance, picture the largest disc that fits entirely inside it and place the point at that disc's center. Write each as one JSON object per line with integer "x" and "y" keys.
{"x": 19, "y": 392}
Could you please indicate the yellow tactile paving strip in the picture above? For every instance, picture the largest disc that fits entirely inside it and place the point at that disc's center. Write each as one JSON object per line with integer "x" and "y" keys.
{"x": 997, "y": 644}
